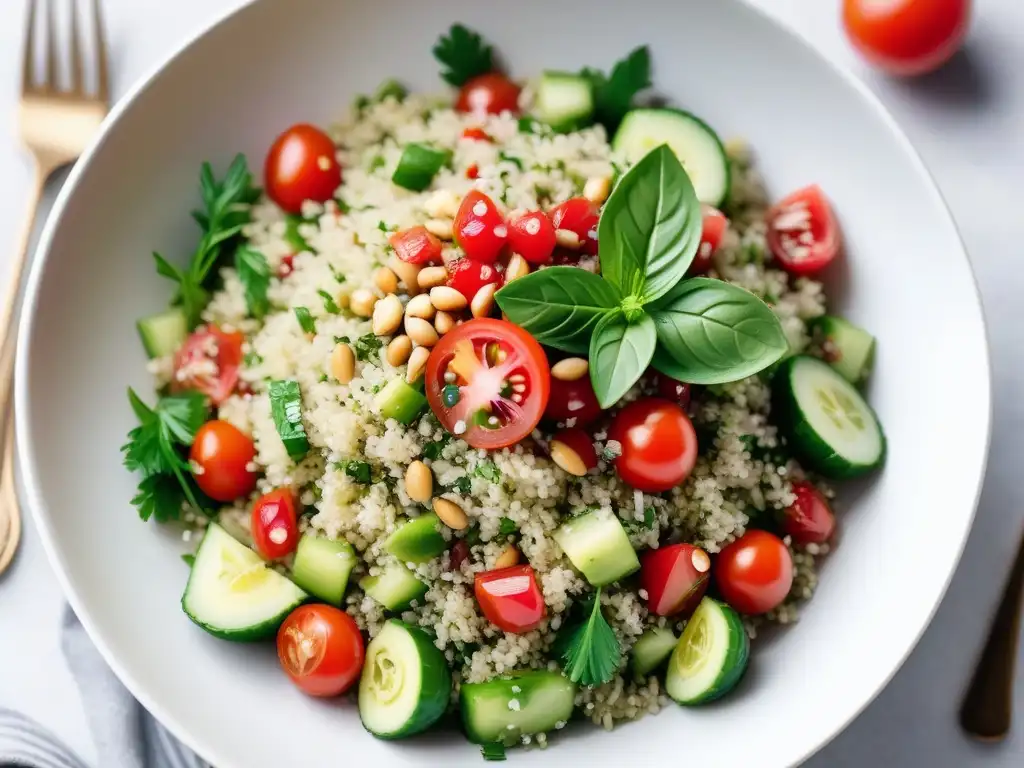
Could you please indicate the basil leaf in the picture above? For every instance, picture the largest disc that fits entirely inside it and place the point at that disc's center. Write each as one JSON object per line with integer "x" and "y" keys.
{"x": 559, "y": 306}
{"x": 619, "y": 354}
{"x": 713, "y": 332}
{"x": 654, "y": 219}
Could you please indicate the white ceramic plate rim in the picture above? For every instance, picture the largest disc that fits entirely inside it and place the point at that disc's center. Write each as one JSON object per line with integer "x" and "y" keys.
{"x": 23, "y": 393}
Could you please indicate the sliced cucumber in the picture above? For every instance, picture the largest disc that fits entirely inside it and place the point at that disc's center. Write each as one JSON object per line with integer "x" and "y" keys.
{"x": 231, "y": 592}
{"x": 162, "y": 334}
{"x": 565, "y": 101}
{"x": 417, "y": 540}
{"x": 652, "y": 650}
{"x": 286, "y": 408}
{"x": 826, "y": 419}
{"x": 400, "y": 401}
{"x": 395, "y": 589}
{"x": 697, "y": 146}
{"x": 849, "y": 349}
{"x": 418, "y": 166}
{"x": 710, "y": 657}
{"x": 406, "y": 685}
{"x": 322, "y": 567}
{"x": 598, "y": 546}
{"x": 516, "y": 705}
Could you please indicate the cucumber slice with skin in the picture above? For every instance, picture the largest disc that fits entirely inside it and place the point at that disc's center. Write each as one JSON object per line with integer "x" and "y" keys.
{"x": 520, "y": 704}
{"x": 405, "y": 685}
{"x": 233, "y": 594}
{"x": 322, "y": 567}
{"x": 395, "y": 589}
{"x": 827, "y": 421}
{"x": 598, "y": 546}
{"x": 418, "y": 166}
{"x": 565, "y": 101}
{"x": 697, "y": 146}
{"x": 164, "y": 333}
{"x": 286, "y": 408}
{"x": 417, "y": 540}
{"x": 710, "y": 657}
{"x": 652, "y": 650}
{"x": 400, "y": 401}
{"x": 848, "y": 349}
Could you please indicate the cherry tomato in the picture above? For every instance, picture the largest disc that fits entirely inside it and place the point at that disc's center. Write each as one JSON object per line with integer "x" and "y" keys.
{"x": 510, "y": 599}
{"x": 473, "y": 171}
{"x": 675, "y": 578}
{"x": 907, "y": 37}
{"x": 222, "y": 453}
{"x": 274, "y": 525}
{"x": 498, "y": 387}
{"x": 809, "y": 520}
{"x": 573, "y": 450}
{"x": 300, "y": 166}
{"x": 755, "y": 572}
{"x": 573, "y": 402}
{"x": 658, "y": 444}
{"x": 416, "y": 246}
{"x": 476, "y": 134}
{"x": 672, "y": 390}
{"x": 480, "y": 229}
{"x": 467, "y": 276}
{"x": 532, "y": 236}
{"x": 578, "y": 215}
{"x": 208, "y": 362}
{"x": 287, "y": 266}
{"x": 320, "y": 649}
{"x": 715, "y": 225}
{"x": 802, "y": 231}
{"x": 492, "y": 93}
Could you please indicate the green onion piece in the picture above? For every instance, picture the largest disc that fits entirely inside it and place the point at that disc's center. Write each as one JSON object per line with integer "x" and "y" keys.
{"x": 286, "y": 408}
{"x": 418, "y": 166}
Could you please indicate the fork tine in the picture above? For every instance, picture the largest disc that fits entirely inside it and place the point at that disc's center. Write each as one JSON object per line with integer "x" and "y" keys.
{"x": 77, "y": 66}
{"x": 28, "y": 66}
{"x": 102, "y": 73}
{"x": 51, "y": 48}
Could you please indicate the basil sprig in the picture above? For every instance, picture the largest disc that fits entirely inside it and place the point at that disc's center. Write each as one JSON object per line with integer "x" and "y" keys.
{"x": 641, "y": 311}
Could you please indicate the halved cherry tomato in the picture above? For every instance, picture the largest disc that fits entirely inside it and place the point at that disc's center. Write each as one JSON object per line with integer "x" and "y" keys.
{"x": 476, "y": 134}
{"x": 802, "y": 232}
{"x": 579, "y": 215}
{"x": 208, "y": 362}
{"x": 321, "y": 649}
{"x": 532, "y": 236}
{"x": 573, "y": 402}
{"x": 480, "y": 229}
{"x": 222, "y": 453}
{"x": 287, "y": 266}
{"x": 301, "y": 165}
{"x": 755, "y": 572}
{"x": 467, "y": 276}
{"x": 658, "y": 444}
{"x": 909, "y": 37}
{"x": 416, "y": 246}
{"x": 510, "y": 599}
{"x": 573, "y": 450}
{"x": 715, "y": 225}
{"x": 488, "y": 382}
{"x": 809, "y": 520}
{"x": 675, "y": 578}
{"x": 274, "y": 524}
{"x": 492, "y": 93}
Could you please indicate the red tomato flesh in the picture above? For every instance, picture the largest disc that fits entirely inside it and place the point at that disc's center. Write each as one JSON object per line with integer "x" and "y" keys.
{"x": 573, "y": 402}
{"x": 416, "y": 246}
{"x": 510, "y": 599}
{"x": 715, "y": 224}
{"x": 658, "y": 444}
{"x": 274, "y": 524}
{"x": 480, "y": 229}
{"x": 532, "y": 236}
{"x": 476, "y": 134}
{"x": 321, "y": 650}
{"x": 208, "y": 362}
{"x": 492, "y": 93}
{"x": 755, "y": 572}
{"x": 803, "y": 233}
{"x": 301, "y": 165}
{"x": 809, "y": 520}
{"x": 222, "y": 453}
{"x": 287, "y": 266}
{"x": 468, "y": 277}
{"x": 578, "y": 215}
{"x": 675, "y": 578}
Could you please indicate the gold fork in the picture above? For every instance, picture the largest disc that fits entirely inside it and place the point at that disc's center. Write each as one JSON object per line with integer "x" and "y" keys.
{"x": 57, "y": 124}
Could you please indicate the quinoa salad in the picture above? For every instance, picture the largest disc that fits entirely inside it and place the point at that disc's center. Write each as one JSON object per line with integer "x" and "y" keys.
{"x": 503, "y": 407}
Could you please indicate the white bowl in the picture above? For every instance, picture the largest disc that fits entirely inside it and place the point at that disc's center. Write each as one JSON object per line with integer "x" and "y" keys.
{"x": 275, "y": 63}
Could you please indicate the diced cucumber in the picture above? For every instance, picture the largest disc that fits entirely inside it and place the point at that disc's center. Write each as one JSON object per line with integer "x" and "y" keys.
{"x": 395, "y": 589}
{"x": 826, "y": 419}
{"x": 417, "y": 540}
{"x": 511, "y": 706}
{"x": 400, "y": 401}
{"x": 653, "y": 649}
{"x": 162, "y": 334}
{"x": 286, "y": 408}
{"x": 565, "y": 101}
{"x": 697, "y": 146}
{"x": 849, "y": 349}
{"x": 405, "y": 685}
{"x": 232, "y": 594}
{"x": 322, "y": 567}
{"x": 710, "y": 657}
{"x": 418, "y": 166}
{"x": 598, "y": 546}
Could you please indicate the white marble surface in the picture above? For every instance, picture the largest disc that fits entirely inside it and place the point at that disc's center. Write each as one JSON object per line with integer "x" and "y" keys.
{"x": 967, "y": 122}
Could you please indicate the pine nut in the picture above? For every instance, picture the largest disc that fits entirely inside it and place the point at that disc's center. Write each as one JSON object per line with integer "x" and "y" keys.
{"x": 386, "y": 280}
{"x": 483, "y": 302}
{"x": 597, "y": 188}
{"x": 419, "y": 482}
{"x": 442, "y": 204}
{"x": 431, "y": 277}
{"x": 387, "y": 315}
{"x": 517, "y": 267}
{"x": 443, "y": 229}
{"x": 343, "y": 363}
{"x": 362, "y": 302}
{"x": 417, "y": 364}
{"x": 447, "y": 299}
{"x": 421, "y": 332}
{"x": 420, "y": 306}
{"x": 566, "y": 238}
{"x": 399, "y": 350}
{"x": 567, "y": 458}
{"x": 570, "y": 369}
{"x": 508, "y": 558}
{"x": 407, "y": 273}
{"x": 443, "y": 322}
{"x": 451, "y": 514}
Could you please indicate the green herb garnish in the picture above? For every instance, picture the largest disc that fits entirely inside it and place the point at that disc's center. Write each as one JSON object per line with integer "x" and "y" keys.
{"x": 286, "y": 410}
{"x": 592, "y": 653}
{"x": 433, "y": 449}
{"x": 463, "y": 55}
{"x": 463, "y": 485}
{"x": 254, "y": 274}
{"x": 291, "y": 232}
{"x": 504, "y": 156}
{"x": 189, "y": 560}
{"x": 366, "y": 346}
{"x": 359, "y": 471}
{"x": 489, "y": 471}
{"x": 506, "y": 527}
{"x": 306, "y": 321}
{"x": 330, "y": 305}
{"x": 613, "y": 95}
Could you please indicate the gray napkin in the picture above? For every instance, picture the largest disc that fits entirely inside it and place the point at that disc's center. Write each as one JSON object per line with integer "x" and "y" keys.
{"x": 125, "y": 734}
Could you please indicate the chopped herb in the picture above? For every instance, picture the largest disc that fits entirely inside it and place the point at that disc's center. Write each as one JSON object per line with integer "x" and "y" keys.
{"x": 463, "y": 55}
{"x": 650, "y": 518}
{"x": 489, "y": 471}
{"x": 377, "y": 163}
{"x": 343, "y": 206}
{"x": 526, "y": 125}
{"x": 463, "y": 485}
{"x": 254, "y": 274}
{"x": 251, "y": 359}
{"x": 613, "y": 95}
{"x": 330, "y": 305}
{"x": 383, "y": 226}
{"x": 342, "y": 340}
{"x": 592, "y": 653}
{"x": 433, "y": 449}
{"x": 473, "y": 535}
{"x": 390, "y": 89}
{"x": 189, "y": 560}
{"x": 493, "y": 752}
{"x": 366, "y": 346}
{"x": 291, "y": 232}
{"x": 506, "y": 527}
{"x": 306, "y": 321}
{"x": 323, "y": 378}
{"x": 359, "y": 471}
{"x": 504, "y": 156}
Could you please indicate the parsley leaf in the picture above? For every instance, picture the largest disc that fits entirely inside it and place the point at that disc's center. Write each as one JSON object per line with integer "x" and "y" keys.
{"x": 254, "y": 273}
{"x": 506, "y": 527}
{"x": 433, "y": 449}
{"x": 463, "y": 485}
{"x": 592, "y": 653}
{"x": 463, "y": 55}
{"x": 330, "y": 305}
{"x": 366, "y": 346}
{"x": 613, "y": 95}
{"x": 306, "y": 321}
{"x": 489, "y": 471}
{"x": 494, "y": 752}
{"x": 359, "y": 471}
